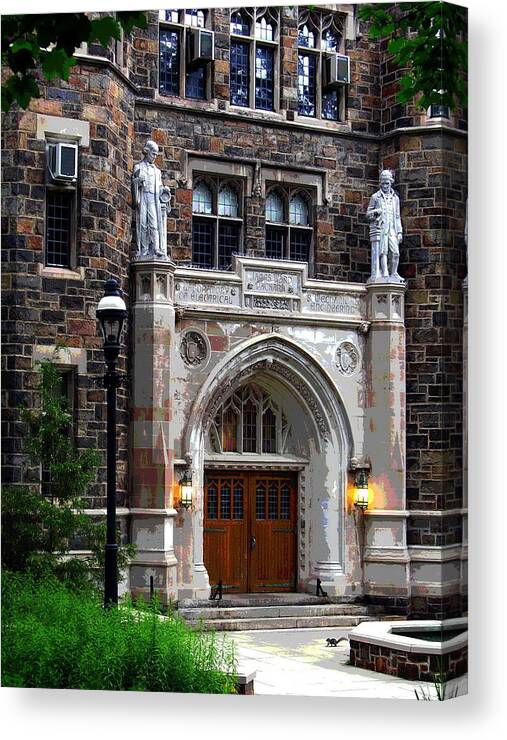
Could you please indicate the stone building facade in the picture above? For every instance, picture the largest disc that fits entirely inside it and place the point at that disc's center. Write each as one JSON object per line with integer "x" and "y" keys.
{"x": 347, "y": 373}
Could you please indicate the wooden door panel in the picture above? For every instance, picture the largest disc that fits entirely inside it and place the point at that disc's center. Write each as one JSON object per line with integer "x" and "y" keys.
{"x": 272, "y": 565}
{"x": 250, "y": 531}
{"x": 225, "y": 531}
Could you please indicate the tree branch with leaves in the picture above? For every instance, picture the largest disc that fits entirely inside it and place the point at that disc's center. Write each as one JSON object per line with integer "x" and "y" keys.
{"x": 428, "y": 39}
{"x": 48, "y": 43}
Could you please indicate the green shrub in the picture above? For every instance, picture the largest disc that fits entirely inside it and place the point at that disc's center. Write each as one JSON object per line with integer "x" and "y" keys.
{"x": 54, "y": 637}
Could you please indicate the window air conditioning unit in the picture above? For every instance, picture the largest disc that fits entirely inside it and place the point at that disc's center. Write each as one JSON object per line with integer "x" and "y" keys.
{"x": 336, "y": 70}
{"x": 200, "y": 45}
{"x": 63, "y": 161}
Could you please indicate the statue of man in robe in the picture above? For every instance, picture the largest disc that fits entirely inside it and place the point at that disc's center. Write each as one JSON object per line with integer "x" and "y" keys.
{"x": 386, "y": 231}
{"x": 150, "y": 199}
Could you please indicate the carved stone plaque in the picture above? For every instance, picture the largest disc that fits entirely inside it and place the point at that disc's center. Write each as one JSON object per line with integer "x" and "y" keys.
{"x": 214, "y": 294}
{"x": 193, "y": 348}
{"x": 347, "y": 358}
{"x": 272, "y": 282}
{"x": 342, "y": 304}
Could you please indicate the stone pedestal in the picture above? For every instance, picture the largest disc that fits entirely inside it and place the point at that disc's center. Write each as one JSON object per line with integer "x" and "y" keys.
{"x": 386, "y": 562}
{"x": 152, "y": 448}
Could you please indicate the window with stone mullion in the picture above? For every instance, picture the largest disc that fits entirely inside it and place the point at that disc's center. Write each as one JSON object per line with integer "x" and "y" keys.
{"x": 254, "y": 60}
{"x": 319, "y": 34}
{"x": 175, "y": 77}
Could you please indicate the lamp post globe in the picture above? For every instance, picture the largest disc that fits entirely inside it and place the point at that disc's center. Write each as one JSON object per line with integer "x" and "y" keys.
{"x": 111, "y": 312}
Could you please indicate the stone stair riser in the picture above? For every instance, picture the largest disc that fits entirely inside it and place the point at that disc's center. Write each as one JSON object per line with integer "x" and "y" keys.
{"x": 272, "y": 611}
{"x": 230, "y": 625}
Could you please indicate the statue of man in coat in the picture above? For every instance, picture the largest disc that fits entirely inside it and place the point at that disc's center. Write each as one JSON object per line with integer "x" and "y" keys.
{"x": 386, "y": 231}
{"x": 150, "y": 199}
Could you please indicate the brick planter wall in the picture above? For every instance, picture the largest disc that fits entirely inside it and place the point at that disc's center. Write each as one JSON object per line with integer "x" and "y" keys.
{"x": 412, "y": 666}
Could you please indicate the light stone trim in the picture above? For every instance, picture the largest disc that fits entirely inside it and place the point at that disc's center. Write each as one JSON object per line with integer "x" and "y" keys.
{"x": 278, "y": 290}
{"x": 58, "y": 127}
{"x": 70, "y": 356}
{"x": 381, "y": 633}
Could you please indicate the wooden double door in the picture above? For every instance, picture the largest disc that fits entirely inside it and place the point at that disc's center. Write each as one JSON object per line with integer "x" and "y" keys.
{"x": 250, "y": 531}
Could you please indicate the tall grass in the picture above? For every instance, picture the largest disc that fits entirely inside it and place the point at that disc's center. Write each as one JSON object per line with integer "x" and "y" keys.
{"x": 54, "y": 637}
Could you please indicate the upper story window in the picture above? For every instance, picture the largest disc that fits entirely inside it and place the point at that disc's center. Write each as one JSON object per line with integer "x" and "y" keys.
{"x": 254, "y": 57}
{"x": 216, "y": 222}
{"x": 249, "y": 421}
{"x": 61, "y": 204}
{"x": 178, "y": 74}
{"x": 289, "y": 227}
{"x": 320, "y": 35}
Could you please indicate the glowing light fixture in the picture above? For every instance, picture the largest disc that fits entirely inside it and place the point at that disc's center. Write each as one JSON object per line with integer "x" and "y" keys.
{"x": 186, "y": 490}
{"x": 361, "y": 489}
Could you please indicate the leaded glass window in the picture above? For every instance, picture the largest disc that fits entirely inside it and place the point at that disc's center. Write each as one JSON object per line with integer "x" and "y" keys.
{"x": 293, "y": 239}
{"x": 264, "y": 29}
{"x": 298, "y": 210}
{"x": 59, "y": 205}
{"x": 195, "y": 18}
{"x": 240, "y": 65}
{"x": 254, "y": 57}
{"x": 169, "y": 62}
{"x": 228, "y": 243}
{"x": 300, "y": 245}
{"x": 275, "y": 238}
{"x": 264, "y": 78}
{"x": 217, "y": 222}
{"x": 249, "y": 422}
{"x": 307, "y": 84}
{"x": 195, "y": 81}
{"x": 274, "y": 207}
{"x": 171, "y": 16}
{"x": 202, "y": 243}
{"x": 227, "y": 202}
{"x": 176, "y": 76}
{"x": 202, "y": 199}
{"x": 306, "y": 37}
{"x": 240, "y": 23}
{"x": 320, "y": 34}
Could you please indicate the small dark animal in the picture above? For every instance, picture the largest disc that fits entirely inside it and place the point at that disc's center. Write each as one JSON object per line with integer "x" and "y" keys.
{"x": 334, "y": 642}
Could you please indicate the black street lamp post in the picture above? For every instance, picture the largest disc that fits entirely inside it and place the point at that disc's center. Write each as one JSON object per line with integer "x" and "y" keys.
{"x": 111, "y": 313}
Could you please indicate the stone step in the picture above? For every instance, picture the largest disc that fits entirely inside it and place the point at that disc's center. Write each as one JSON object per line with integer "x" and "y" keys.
{"x": 247, "y": 600}
{"x": 278, "y": 623}
{"x": 259, "y": 612}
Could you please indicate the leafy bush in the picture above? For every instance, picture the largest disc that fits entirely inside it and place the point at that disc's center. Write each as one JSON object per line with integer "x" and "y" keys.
{"x": 54, "y": 637}
{"x": 40, "y": 524}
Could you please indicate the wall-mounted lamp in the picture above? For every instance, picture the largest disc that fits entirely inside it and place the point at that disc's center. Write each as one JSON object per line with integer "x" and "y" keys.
{"x": 361, "y": 489}
{"x": 186, "y": 490}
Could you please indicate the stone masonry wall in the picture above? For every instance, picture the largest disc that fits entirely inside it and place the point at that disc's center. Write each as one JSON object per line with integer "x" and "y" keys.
{"x": 42, "y": 307}
{"x": 123, "y": 111}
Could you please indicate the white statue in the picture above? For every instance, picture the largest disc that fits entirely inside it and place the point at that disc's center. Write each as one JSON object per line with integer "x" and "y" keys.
{"x": 150, "y": 199}
{"x": 386, "y": 231}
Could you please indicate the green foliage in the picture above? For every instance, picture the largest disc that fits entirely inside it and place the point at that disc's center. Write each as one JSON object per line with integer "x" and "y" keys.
{"x": 54, "y": 637}
{"x": 38, "y": 527}
{"x": 430, "y": 41}
{"x": 49, "y": 42}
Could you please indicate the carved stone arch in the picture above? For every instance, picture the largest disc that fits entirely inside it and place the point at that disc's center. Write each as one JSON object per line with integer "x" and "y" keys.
{"x": 292, "y": 365}
{"x": 285, "y": 362}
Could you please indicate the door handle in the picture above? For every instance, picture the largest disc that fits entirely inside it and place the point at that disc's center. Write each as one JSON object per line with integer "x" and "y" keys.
{"x": 253, "y": 543}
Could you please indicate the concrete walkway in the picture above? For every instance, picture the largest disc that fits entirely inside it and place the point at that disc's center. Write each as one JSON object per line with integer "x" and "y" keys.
{"x": 298, "y": 663}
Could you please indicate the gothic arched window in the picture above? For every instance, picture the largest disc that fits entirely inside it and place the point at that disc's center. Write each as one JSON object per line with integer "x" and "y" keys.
{"x": 288, "y": 229}
{"x": 249, "y": 422}
{"x": 254, "y": 57}
{"x": 216, "y": 223}
{"x": 320, "y": 34}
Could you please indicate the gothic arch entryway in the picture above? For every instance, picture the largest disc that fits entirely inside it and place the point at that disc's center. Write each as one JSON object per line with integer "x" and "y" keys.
{"x": 307, "y": 473}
